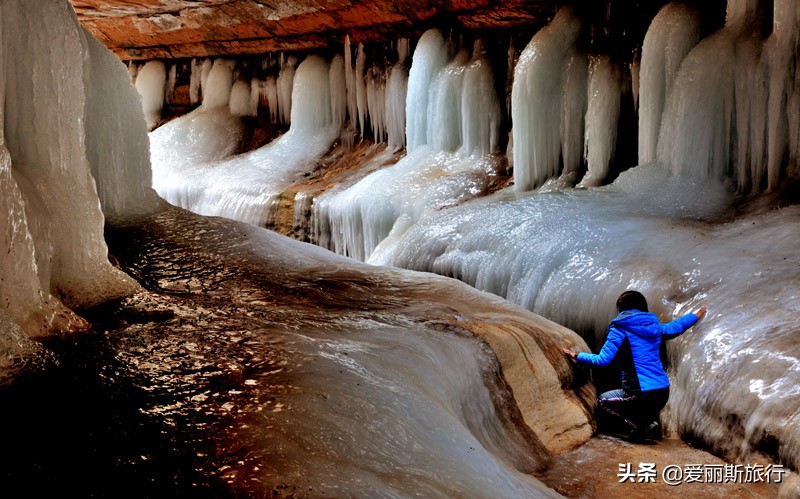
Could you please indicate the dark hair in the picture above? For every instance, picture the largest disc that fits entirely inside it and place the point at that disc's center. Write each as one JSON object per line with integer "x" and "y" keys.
{"x": 631, "y": 300}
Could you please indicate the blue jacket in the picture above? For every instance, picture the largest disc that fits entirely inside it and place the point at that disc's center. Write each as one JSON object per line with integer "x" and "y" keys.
{"x": 637, "y": 336}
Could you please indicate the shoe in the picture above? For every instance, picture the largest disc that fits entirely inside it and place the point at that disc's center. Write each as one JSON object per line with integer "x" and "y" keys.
{"x": 642, "y": 434}
{"x": 653, "y": 431}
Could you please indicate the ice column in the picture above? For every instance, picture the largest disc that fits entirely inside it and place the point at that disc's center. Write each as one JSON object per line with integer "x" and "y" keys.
{"x": 602, "y": 117}
{"x": 671, "y": 35}
{"x": 117, "y": 146}
{"x": 361, "y": 88}
{"x": 338, "y": 91}
{"x": 396, "y": 88}
{"x": 151, "y": 84}
{"x": 285, "y": 82}
{"x": 194, "y": 81}
{"x": 706, "y": 126}
{"x": 784, "y": 89}
{"x": 573, "y": 113}
{"x": 444, "y": 108}
{"x": 218, "y": 85}
{"x": 480, "y": 107}
{"x": 429, "y": 57}
{"x": 241, "y": 100}
{"x": 536, "y": 101}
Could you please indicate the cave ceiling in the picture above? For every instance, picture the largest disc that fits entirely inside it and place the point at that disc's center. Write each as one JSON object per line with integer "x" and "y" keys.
{"x": 168, "y": 29}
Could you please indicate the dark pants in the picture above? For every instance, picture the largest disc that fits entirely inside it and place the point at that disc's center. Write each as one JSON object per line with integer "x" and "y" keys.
{"x": 619, "y": 412}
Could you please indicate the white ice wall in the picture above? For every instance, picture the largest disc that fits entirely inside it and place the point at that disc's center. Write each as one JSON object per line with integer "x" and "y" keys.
{"x": 54, "y": 250}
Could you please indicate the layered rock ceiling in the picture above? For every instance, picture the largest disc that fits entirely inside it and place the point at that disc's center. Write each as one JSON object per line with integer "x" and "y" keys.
{"x": 166, "y": 29}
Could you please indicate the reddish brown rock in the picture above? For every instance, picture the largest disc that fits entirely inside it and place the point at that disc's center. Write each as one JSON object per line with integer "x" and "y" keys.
{"x": 164, "y": 29}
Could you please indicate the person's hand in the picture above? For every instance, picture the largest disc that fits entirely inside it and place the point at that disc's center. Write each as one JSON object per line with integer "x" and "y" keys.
{"x": 569, "y": 353}
{"x": 701, "y": 313}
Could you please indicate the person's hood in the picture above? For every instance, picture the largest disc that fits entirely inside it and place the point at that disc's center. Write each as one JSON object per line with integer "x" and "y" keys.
{"x": 639, "y": 323}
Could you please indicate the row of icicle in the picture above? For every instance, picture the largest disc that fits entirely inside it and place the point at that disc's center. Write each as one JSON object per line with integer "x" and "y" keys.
{"x": 727, "y": 106}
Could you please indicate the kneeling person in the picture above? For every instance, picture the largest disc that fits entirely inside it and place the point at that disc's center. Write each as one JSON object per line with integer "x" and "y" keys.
{"x": 634, "y": 337}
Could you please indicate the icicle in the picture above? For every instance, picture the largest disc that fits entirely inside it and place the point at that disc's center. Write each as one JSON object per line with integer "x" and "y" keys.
{"x": 194, "y": 81}
{"x": 151, "y": 84}
{"x": 338, "y": 91}
{"x": 218, "y": 85}
{"x": 396, "y": 88}
{"x": 361, "y": 88}
{"x": 536, "y": 101}
{"x": 255, "y": 94}
{"x": 429, "y": 56}
{"x": 512, "y": 63}
{"x": 172, "y": 78}
{"x": 240, "y": 100}
{"x": 270, "y": 93}
{"x": 480, "y": 107}
{"x": 602, "y": 117}
{"x": 635, "y": 68}
{"x": 285, "y": 81}
{"x": 258, "y": 92}
{"x": 402, "y": 50}
{"x": 350, "y": 84}
{"x": 376, "y": 102}
{"x": 205, "y": 70}
{"x": 444, "y": 107}
{"x": 671, "y": 35}
{"x": 574, "y": 98}
{"x": 133, "y": 70}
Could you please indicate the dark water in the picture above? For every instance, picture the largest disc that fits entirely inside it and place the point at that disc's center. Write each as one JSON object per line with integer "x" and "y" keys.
{"x": 77, "y": 427}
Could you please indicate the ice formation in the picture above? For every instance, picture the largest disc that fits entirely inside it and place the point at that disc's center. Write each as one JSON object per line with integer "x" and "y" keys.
{"x": 218, "y": 84}
{"x": 429, "y": 57}
{"x": 338, "y": 91}
{"x": 242, "y": 101}
{"x": 672, "y": 33}
{"x": 53, "y": 255}
{"x": 602, "y": 119}
{"x": 784, "y": 92}
{"x": 573, "y": 114}
{"x": 536, "y": 98}
{"x": 719, "y": 129}
{"x": 449, "y": 164}
{"x": 285, "y": 82}
{"x": 151, "y": 82}
{"x": 193, "y": 166}
{"x": 396, "y": 89}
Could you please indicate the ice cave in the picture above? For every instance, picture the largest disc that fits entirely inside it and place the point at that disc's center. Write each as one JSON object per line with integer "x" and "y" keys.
{"x": 337, "y": 249}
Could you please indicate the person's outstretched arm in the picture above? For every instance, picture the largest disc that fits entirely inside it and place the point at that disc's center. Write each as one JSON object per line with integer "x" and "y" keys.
{"x": 610, "y": 348}
{"x": 678, "y": 326}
